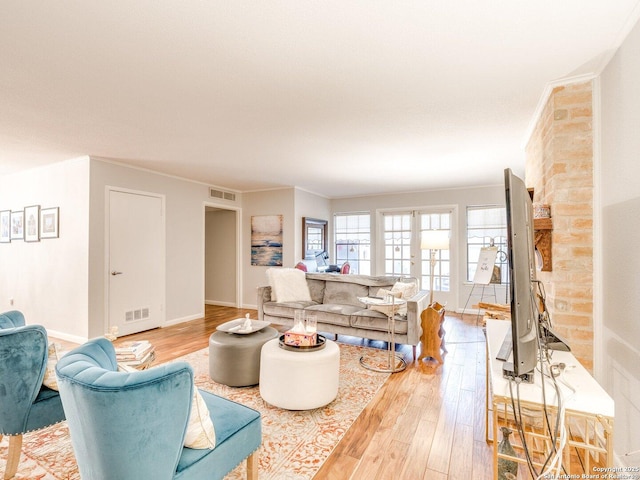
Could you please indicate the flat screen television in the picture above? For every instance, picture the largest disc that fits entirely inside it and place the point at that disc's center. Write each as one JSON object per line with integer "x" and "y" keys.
{"x": 522, "y": 269}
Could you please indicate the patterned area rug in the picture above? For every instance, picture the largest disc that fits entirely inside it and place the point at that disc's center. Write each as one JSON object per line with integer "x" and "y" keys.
{"x": 294, "y": 443}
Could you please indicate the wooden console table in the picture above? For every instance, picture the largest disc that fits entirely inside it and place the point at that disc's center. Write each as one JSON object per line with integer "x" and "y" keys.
{"x": 589, "y": 410}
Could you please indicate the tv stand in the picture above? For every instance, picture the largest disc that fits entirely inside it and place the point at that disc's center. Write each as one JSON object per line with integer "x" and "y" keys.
{"x": 589, "y": 411}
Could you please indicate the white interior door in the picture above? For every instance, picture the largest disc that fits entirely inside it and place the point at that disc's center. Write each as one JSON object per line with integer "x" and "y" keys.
{"x": 136, "y": 283}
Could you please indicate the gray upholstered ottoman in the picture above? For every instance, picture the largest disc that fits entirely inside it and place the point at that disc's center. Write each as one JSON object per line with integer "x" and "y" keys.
{"x": 234, "y": 360}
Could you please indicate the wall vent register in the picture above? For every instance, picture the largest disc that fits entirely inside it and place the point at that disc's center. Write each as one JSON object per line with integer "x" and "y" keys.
{"x": 138, "y": 314}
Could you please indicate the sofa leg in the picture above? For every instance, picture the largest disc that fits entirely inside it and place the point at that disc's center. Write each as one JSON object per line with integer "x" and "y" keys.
{"x": 13, "y": 459}
{"x": 252, "y": 466}
{"x": 414, "y": 354}
{"x": 336, "y": 339}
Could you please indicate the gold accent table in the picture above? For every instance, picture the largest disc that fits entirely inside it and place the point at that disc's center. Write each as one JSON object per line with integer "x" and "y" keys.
{"x": 390, "y": 306}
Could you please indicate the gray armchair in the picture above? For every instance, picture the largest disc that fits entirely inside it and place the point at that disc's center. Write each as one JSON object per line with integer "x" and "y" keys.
{"x": 25, "y": 404}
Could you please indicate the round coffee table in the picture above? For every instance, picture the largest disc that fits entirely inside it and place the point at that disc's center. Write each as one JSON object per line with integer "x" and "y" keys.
{"x": 299, "y": 380}
{"x": 234, "y": 359}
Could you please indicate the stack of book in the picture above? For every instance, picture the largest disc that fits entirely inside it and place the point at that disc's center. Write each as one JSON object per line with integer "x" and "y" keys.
{"x": 135, "y": 354}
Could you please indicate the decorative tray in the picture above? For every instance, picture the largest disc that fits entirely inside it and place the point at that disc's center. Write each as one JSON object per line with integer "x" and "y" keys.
{"x": 311, "y": 348}
{"x": 235, "y": 326}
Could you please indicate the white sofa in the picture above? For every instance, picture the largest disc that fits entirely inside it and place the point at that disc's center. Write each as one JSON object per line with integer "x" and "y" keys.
{"x": 334, "y": 301}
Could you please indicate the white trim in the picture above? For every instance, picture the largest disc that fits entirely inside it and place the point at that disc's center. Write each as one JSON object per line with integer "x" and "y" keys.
{"x": 188, "y": 318}
{"x": 220, "y": 304}
{"x": 66, "y": 337}
{"x": 598, "y": 294}
{"x": 239, "y": 278}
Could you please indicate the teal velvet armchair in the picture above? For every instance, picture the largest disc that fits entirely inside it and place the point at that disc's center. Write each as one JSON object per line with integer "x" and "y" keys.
{"x": 25, "y": 404}
{"x": 132, "y": 425}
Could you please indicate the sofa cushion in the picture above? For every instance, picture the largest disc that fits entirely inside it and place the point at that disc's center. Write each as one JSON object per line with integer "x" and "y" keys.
{"x": 316, "y": 289}
{"x": 284, "y": 309}
{"x": 333, "y": 314}
{"x": 368, "y": 319}
{"x": 344, "y": 293}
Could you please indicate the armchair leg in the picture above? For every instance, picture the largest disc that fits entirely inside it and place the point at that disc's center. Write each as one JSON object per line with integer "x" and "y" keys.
{"x": 13, "y": 459}
{"x": 252, "y": 466}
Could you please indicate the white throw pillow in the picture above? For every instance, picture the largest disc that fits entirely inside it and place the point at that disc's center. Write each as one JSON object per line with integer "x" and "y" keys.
{"x": 200, "y": 431}
{"x": 54, "y": 354}
{"x": 406, "y": 289}
{"x": 288, "y": 285}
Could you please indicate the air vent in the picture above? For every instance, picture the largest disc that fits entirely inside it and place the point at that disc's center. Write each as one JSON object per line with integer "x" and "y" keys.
{"x": 214, "y": 193}
{"x": 135, "y": 315}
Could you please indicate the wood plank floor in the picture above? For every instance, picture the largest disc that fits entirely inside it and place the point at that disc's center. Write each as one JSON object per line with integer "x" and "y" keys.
{"x": 426, "y": 422}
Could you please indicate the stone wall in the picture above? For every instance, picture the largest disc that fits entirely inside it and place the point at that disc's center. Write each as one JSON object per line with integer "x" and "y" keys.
{"x": 559, "y": 167}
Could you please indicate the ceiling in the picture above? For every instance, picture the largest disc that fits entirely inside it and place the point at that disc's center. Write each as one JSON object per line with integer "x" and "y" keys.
{"x": 339, "y": 97}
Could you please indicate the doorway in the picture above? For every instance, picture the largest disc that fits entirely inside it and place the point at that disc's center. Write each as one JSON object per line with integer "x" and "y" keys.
{"x": 222, "y": 277}
{"x": 135, "y": 261}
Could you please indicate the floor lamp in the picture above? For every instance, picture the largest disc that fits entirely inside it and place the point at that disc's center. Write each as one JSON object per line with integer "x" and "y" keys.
{"x": 434, "y": 240}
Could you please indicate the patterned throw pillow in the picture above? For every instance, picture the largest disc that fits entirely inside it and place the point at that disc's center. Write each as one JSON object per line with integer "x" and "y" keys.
{"x": 200, "y": 430}
{"x": 54, "y": 354}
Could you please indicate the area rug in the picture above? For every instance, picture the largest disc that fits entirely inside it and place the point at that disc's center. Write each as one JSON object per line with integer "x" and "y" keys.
{"x": 294, "y": 443}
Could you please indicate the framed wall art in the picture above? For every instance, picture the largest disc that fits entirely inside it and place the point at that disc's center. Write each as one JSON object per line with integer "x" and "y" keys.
{"x": 17, "y": 225}
{"x": 266, "y": 240}
{"x": 5, "y": 226}
{"x": 49, "y": 222}
{"x": 32, "y": 223}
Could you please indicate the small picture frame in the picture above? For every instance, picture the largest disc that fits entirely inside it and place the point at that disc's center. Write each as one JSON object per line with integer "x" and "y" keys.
{"x": 32, "y": 223}
{"x": 17, "y": 225}
{"x": 49, "y": 222}
{"x": 5, "y": 226}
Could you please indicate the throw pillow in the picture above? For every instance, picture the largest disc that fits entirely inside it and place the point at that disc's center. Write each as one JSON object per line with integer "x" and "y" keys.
{"x": 288, "y": 285}
{"x": 406, "y": 289}
{"x": 200, "y": 430}
{"x": 54, "y": 354}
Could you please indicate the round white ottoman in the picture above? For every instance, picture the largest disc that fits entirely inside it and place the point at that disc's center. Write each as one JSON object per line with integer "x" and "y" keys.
{"x": 299, "y": 380}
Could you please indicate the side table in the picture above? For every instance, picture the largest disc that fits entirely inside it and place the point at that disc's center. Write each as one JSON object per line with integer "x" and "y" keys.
{"x": 432, "y": 339}
{"x": 390, "y": 306}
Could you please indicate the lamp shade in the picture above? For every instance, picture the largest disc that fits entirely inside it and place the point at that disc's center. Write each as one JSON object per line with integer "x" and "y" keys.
{"x": 435, "y": 240}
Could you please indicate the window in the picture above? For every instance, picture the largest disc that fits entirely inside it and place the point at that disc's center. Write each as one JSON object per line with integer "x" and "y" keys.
{"x": 353, "y": 241}
{"x": 487, "y": 227}
{"x": 442, "y": 270}
{"x": 402, "y": 234}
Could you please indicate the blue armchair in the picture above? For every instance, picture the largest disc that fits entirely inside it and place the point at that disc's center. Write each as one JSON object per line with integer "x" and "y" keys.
{"x": 132, "y": 425}
{"x": 25, "y": 404}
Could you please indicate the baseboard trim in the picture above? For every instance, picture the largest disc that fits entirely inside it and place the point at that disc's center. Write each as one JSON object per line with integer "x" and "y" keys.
{"x": 188, "y": 318}
{"x": 66, "y": 337}
{"x": 219, "y": 303}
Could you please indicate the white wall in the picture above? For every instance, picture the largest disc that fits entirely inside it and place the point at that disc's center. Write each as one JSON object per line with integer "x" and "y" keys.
{"x": 185, "y": 238}
{"x": 313, "y": 206}
{"x": 220, "y": 257}
{"x": 48, "y": 280}
{"x": 459, "y": 199}
{"x": 271, "y": 202}
{"x": 620, "y": 213}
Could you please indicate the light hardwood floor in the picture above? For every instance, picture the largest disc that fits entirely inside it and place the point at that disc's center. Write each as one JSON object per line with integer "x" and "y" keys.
{"x": 426, "y": 422}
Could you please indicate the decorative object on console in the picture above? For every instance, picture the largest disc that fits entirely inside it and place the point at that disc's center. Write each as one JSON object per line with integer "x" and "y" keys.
{"x": 345, "y": 269}
{"x": 506, "y": 466}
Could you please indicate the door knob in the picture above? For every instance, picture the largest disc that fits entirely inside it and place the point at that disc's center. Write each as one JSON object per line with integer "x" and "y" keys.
{"x": 116, "y": 273}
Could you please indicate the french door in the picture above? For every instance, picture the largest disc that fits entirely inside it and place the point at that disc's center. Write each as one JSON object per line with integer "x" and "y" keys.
{"x": 401, "y": 235}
